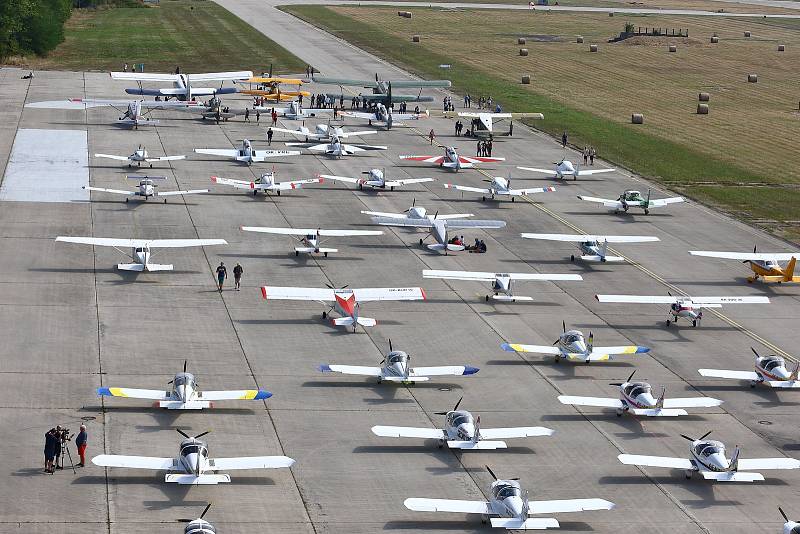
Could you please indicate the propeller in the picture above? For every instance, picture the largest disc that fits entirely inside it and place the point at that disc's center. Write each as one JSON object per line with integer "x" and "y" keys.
{"x": 334, "y": 288}
{"x": 754, "y": 352}
{"x": 454, "y": 407}
{"x": 201, "y": 515}
{"x": 785, "y": 518}
{"x": 184, "y": 365}
{"x": 684, "y": 436}
{"x": 413, "y": 204}
{"x": 390, "y": 345}
{"x": 564, "y": 328}
{"x": 187, "y": 436}
{"x": 495, "y": 476}
{"x": 754, "y": 251}
{"x": 627, "y": 380}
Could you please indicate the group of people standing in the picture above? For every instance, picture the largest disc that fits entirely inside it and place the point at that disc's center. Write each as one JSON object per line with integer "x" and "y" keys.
{"x": 589, "y": 154}
{"x": 55, "y": 443}
{"x": 484, "y": 102}
{"x": 485, "y": 148}
{"x": 447, "y": 104}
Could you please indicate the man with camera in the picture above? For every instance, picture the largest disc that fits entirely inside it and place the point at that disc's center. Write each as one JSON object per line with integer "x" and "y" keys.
{"x": 50, "y": 439}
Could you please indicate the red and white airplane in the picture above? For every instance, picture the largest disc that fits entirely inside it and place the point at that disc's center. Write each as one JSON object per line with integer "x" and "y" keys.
{"x": 682, "y": 307}
{"x": 346, "y": 302}
{"x": 451, "y": 159}
{"x": 770, "y": 370}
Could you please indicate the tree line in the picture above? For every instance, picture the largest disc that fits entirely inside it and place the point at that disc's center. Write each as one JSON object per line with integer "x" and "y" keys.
{"x": 32, "y": 26}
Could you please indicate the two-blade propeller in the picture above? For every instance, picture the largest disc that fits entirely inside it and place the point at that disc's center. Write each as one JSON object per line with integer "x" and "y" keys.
{"x": 564, "y": 330}
{"x": 454, "y": 408}
{"x": 626, "y": 381}
{"x": 187, "y": 436}
{"x": 201, "y": 515}
{"x": 684, "y": 436}
{"x": 495, "y": 476}
{"x": 184, "y": 370}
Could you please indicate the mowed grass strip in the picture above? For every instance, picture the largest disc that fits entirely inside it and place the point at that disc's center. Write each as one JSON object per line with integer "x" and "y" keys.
{"x": 484, "y": 61}
{"x": 198, "y": 35}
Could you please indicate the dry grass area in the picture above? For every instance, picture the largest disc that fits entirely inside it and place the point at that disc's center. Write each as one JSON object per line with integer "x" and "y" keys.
{"x": 753, "y": 125}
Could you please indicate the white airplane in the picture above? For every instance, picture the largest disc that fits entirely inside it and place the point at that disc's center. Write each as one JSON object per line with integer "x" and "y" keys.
{"x": 311, "y": 238}
{"x": 183, "y": 394}
{"x": 637, "y": 398}
{"x": 501, "y": 187}
{"x": 463, "y": 431}
{"x": 294, "y": 111}
{"x": 246, "y": 153}
{"x": 566, "y": 168}
{"x": 501, "y": 282}
{"x": 397, "y": 370}
{"x": 681, "y": 307}
{"x": 181, "y": 83}
{"x": 438, "y": 228}
{"x": 376, "y": 178}
{"x": 199, "y": 525}
{"x": 323, "y": 132}
{"x": 385, "y": 116}
{"x": 265, "y": 183}
{"x": 508, "y": 506}
{"x": 416, "y": 213}
{"x": 571, "y": 345}
{"x": 451, "y": 159}
{"x": 346, "y": 302}
{"x": 192, "y": 465}
{"x": 633, "y": 199}
{"x": 139, "y": 155}
{"x": 593, "y": 248}
{"x": 769, "y": 370}
{"x": 335, "y": 148}
{"x": 707, "y": 457}
{"x": 147, "y": 188}
{"x": 790, "y": 527}
{"x": 486, "y": 121}
{"x": 134, "y": 113}
{"x": 140, "y": 249}
{"x": 765, "y": 265}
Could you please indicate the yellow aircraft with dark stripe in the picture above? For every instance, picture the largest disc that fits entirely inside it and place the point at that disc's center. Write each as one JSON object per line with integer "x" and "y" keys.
{"x": 765, "y": 265}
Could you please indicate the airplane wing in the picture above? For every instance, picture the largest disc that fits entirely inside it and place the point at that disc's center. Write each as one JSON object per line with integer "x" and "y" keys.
{"x": 481, "y": 159}
{"x": 236, "y": 183}
{"x": 466, "y": 223}
{"x": 357, "y": 133}
{"x": 536, "y": 169}
{"x": 144, "y": 77}
{"x": 105, "y": 190}
{"x": 408, "y": 181}
{"x": 531, "y": 190}
{"x": 340, "y": 178}
{"x": 264, "y": 154}
{"x": 351, "y": 370}
{"x": 661, "y": 202}
{"x": 244, "y": 394}
{"x": 418, "y": 84}
{"x": 540, "y": 349}
{"x": 309, "y": 231}
{"x": 589, "y": 172}
{"x": 425, "y": 159}
{"x": 134, "y": 462}
{"x": 252, "y": 462}
{"x": 488, "y": 277}
{"x": 297, "y": 293}
{"x": 629, "y": 349}
{"x": 589, "y": 401}
{"x": 451, "y": 370}
{"x": 724, "y": 373}
{"x": 290, "y": 184}
{"x": 467, "y": 188}
{"x": 454, "y": 216}
{"x": 137, "y": 243}
{"x": 694, "y": 402}
{"x": 448, "y": 505}
{"x": 176, "y": 193}
{"x": 111, "y": 156}
{"x": 224, "y": 152}
{"x": 346, "y": 81}
{"x": 162, "y": 158}
{"x": 581, "y": 238}
{"x": 150, "y": 394}
{"x": 385, "y": 215}
{"x": 604, "y": 201}
{"x": 757, "y": 464}
{"x": 711, "y": 301}
{"x": 569, "y": 505}
{"x": 407, "y": 432}
{"x": 637, "y": 299}
{"x": 747, "y": 256}
{"x": 362, "y": 147}
{"x": 656, "y": 461}
{"x": 403, "y": 221}
{"x": 359, "y": 114}
{"x": 389, "y": 293}
{"x": 517, "y": 432}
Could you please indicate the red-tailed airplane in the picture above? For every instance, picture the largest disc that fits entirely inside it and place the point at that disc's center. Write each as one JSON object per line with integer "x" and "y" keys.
{"x": 451, "y": 159}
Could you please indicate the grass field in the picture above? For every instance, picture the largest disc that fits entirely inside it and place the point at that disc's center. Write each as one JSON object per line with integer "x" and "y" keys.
{"x": 198, "y": 35}
{"x": 741, "y": 157}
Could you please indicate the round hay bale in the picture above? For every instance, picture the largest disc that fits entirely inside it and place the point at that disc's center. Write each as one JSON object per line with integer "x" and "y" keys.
{"x": 702, "y": 109}
{"x": 520, "y": 40}
{"x": 637, "y": 118}
{"x": 579, "y": 39}
{"x": 404, "y": 14}
{"x": 752, "y": 78}
{"x": 704, "y": 97}
{"x": 593, "y": 48}
{"x": 747, "y": 34}
{"x": 523, "y": 51}
{"x": 526, "y": 79}
{"x": 610, "y": 13}
{"x": 781, "y": 48}
{"x": 415, "y": 39}
{"x": 673, "y": 48}
{"x": 714, "y": 39}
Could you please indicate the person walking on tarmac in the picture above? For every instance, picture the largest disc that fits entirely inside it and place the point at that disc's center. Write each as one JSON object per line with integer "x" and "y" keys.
{"x": 222, "y": 274}
{"x": 237, "y": 275}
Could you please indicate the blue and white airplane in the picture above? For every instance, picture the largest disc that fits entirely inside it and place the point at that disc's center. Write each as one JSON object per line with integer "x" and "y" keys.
{"x": 181, "y": 83}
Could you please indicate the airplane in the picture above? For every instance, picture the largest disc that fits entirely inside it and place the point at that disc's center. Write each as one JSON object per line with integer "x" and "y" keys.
{"x": 184, "y": 394}
{"x": 438, "y": 228}
{"x": 385, "y": 116}
{"x": 181, "y": 83}
{"x": 501, "y": 187}
{"x": 140, "y": 249}
{"x": 294, "y": 111}
{"x": 199, "y": 525}
{"x": 594, "y": 248}
{"x": 769, "y": 370}
{"x": 382, "y": 89}
{"x": 572, "y": 346}
{"x": 566, "y": 168}
{"x": 707, "y": 457}
{"x": 633, "y": 199}
{"x": 139, "y": 155}
{"x": 323, "y": 132}
{"x": 135, "y": 112}
{"x": 682, "y": 307}
{"x": 192, "y": 465}
{"x": 415, "y": 213}
{"x": 269, "y": 87}
{"x": 311, "y": 238}
{"x": 637, "y": 398}
{"x": 266, "y": 183}
{"x": 463, "y": 431}
{"x": 376, "y": 178}
{"x": 397, "y": 370}
{"x": 485, "y": 123}
{"x": 346, "y": 302}
{"x": 451, "y": 159}
{"x": 336, "y": 148}
{"x": 790, "y": 527}
{"x": 247, "y": 154}
{"x": 501, "y": 282}
{"x": 147, "y": 189}
{"x": 509, "y": 507}
{"x": 763, "y": 264}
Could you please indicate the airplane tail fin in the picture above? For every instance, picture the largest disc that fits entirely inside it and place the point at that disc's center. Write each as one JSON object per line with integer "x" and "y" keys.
{"x": 734, "y": 465}
{"x": 789, "y": 273}
{"x": 796, "y": 372}
{"x": 603, "y": 250}
{"x": 660, "y": 401}
{"x": 477, "y": 437}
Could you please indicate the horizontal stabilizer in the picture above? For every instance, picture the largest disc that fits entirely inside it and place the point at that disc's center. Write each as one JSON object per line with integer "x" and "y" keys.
{"x": 366, "y": 321}
{"x": 732, "y": 476}
{"x": 178, "y": 405}
{"x": 202, "y": 480}
{"x": 405, "y": 379}
{"x": 477, "y": 445}
{"x": 532, "y": 523}
{"x": 511, "y": 298}
{"x": 725, "y": 373}
{"x": 152, "y": 267}
{"x": 658, "y": 412}
{"x": 407, "y": 432}
{"x": 607, "y": 259}
{"x": 136, "y": 267}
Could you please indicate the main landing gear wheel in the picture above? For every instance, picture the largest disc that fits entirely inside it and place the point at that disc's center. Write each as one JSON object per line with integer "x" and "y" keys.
{"x": 297, "y": 253}
{"x": 668, "y": 321}
{"x": 753, "y": 383}
{"x": 512, "y": 199}
{"x": 126, "y": 200}
{"x": 694, "y": 323}
{"x": 572, "y": 257}
{"x": 420, "y": 242}
{"x": 165, "y": 201}
{"x": 326, "y": 254}
{"x": 361, "y": 187}
{"x": 255, "y": 192}
{"x": 441, "y": 443}
{"x": 688, "y": 474}
{"x": 487, "y": 298}
{"x": 557, "y": 360}
{"x": 619, "y": 412}
{"x": 324, "y": 315}
{"x": 647, "y": 212}
{"x": 483, "y": 199}
{"x": 279, "y": 192}
{"x": 151, "y": 165}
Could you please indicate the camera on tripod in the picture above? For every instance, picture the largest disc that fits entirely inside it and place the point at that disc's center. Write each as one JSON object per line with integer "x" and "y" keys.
{"x": 64, "y": 435}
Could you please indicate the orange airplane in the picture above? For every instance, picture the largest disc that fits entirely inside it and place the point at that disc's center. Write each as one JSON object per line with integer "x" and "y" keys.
{"x": 269, "y": 87}
{"x": 763, "y": 264}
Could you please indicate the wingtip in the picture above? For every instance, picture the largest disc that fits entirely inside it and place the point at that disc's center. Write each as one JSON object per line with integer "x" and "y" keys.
{"x": 424, "y": 295}
{"x": 104, "y": 392}
{"x": 324, "y": 368}
{"x": 469, "y": 370}
{"x": 261, "y": 395}
{"x": 507, "y": 347}
{"x": 641, "y": 350}
{"x": 214, "y": 179}
{"x": 264, "y": 292}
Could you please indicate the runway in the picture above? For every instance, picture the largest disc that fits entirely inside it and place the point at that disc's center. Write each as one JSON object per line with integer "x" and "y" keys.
{"x": 73, "y": 323}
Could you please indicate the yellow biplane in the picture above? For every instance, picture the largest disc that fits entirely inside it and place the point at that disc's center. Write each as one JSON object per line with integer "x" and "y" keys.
{"x": 765, "y": 265}
{"x": 269, "y": 87}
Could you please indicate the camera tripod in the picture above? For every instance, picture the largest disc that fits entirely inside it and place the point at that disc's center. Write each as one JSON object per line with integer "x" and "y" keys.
{"x": 65, "y": 448}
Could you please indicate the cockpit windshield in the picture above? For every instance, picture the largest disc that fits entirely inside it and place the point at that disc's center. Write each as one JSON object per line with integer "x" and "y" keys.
{"x": 396, "y": 357}
{"x": 506, "y": 491}
{"x": 707, "y": 449}
{"x": 194, "y": 448}
{"x": 634, "y": 390}
{"x": 771, "y": 363}
{"x": 200, "y": 528}
{"x": 460, "y": 418}
{"x": 571, "y": 338}
{"x": 184, "y": 380}
{"x": 139, "y": 249}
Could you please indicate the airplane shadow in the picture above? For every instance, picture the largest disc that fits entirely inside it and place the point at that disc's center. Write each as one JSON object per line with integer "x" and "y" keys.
{"x": 425, "y": 526}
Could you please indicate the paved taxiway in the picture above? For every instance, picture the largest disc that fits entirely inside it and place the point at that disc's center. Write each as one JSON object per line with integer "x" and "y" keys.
{"x": 72, "y": 323}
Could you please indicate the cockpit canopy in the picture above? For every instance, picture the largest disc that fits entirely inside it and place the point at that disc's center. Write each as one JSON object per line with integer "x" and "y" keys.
{"x": 506, "y": 489}
{"x": 707, "y": 448}
{"x": 768, "y": 363}
{"x": 184, "y": 379}
{"x": 199, "y": 526}
{"x": 635, "y": 389}
{"x": 459, "y": 418}
{"x": 193, "y": 446}
{"x": 795, "y": 530}
{"x": 397, "y": 356}
{"x": 632, "y": 194}
{"x": 572, "y": 336}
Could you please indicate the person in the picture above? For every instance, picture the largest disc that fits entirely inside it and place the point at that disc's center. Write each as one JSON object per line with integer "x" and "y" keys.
{"x": 585, "y": 155}
{"x": 456, "y": 127}
{"x": 216, "y": 115}
{"x": 269, "y": 136}
{"x": 125, "y": 67}
{"x": 237, "y": 275}
{"x": 222, "y": 274}
{"x": 258, "y": 116}
{"x": 489, "y": 147}
{"x": 478, "y": 152}
{"x": 457, "y": 241}
{"x": 431, "y": 136}
{"x": 246, "y": 114}
{"x": 300, "y": 100}
{"x": 57, "y": 448}
{"x": 49, "y": 450}
{"x": 335, "y": 112}
{"x": 274, "y": 117}
{"x": 511, "y": 128}
{"x": 177, "y": 69}
{"x": 80, "y": 443}
{"x": 592, "y": 154}
{"x": 564, "y": 139}
{"x": 482, "y": 247}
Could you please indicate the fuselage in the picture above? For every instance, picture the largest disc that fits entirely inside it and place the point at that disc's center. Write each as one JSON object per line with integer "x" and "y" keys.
{"x": 507, "y": 499}
{"x": 573, "y": 342}
{"x": 772, "y": 368}
{"x": 141, "y": 255}
{"x": 637, "y": 395}
{"x": 709, "y": 454}
{"x": 199, "y": 526}
{"x": 184, "y": 387}
{"x": 194, "y": 456}
{"x": 460, "y": 425}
